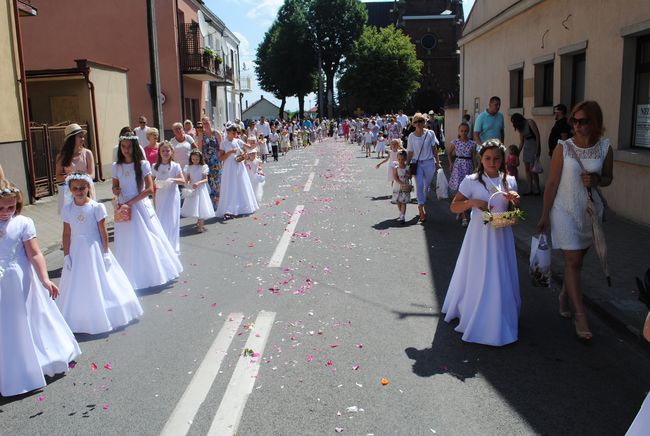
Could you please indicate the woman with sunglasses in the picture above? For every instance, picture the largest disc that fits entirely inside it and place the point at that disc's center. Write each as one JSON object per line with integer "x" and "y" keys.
{"x": 422, "y": 150}
{"x": 565, "y": 202}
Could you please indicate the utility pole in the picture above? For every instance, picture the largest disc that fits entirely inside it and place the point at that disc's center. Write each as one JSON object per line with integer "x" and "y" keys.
{"x": 153, "y": 66}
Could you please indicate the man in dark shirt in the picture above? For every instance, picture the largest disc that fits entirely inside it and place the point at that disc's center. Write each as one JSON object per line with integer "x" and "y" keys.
{"x": 561, "y": 129}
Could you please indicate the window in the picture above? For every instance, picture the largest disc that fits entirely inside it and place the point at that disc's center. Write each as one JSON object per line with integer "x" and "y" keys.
{"x": 573, "y": 65}
{"x": 641, "y": 127}
{"x": 544, "y": 83}
{"x": 517, "y": 88}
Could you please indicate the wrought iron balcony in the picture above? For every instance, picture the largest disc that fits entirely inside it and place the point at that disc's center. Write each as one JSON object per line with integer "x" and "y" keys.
{"x": 198, "y": 65}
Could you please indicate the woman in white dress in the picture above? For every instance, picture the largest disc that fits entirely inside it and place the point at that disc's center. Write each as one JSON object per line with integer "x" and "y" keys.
{"x": 565, "y": 201}
{"x": 197, "y": 200}
{"x": 96, "y": 295}
{"x": 73, "y": 157}
{"x": 36, "y": 341}
{"x": 141, "y": 246}
{"x": 168, "y": 175}
{"x": 484, "y": 289}
{"x": 237, "y": 195}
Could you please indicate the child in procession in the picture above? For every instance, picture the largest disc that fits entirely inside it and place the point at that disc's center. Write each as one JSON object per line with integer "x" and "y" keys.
{"x": 484, "y": 289}
{"x": 168, "y": 175}
{"x": 36, "y": 341}
{"x": 255, "y": 174}
{"x": 263, "y": 147}
{"x": 381, "y": 146}
{"x": 368, "y": 142}
{"x": 402, "y": 186}
{"x": 137, "y": 228}
{"x": 391, "y": 158}
{"x": 512, "y": 162}
{"x": 96, "y": 295}
{"x": 197, "y": 203}
{"x": 464, "y": 151}
{"x": 284, "y": 141}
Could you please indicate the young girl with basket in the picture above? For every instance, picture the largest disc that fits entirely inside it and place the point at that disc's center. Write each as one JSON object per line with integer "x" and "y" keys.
{"x": 197, "y": 204}
{"x": 402, "y": 186}
{"x": 484, "y": 289}
{"x": 36, "y": 341}
{"x": 96, "y": 295}
{"x": 168, "y": 175}
{"x": 137, "y": 229}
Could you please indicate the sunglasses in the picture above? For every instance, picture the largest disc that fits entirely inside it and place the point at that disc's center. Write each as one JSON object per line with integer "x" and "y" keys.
{"x": 580, "y": 121}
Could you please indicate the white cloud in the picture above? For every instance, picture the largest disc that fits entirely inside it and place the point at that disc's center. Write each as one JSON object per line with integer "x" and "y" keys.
{"x": 264, "y": 10}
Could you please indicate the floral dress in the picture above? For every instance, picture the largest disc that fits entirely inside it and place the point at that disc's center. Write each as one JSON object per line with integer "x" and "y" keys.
{"x": 211, "y": 157}
{"x": 463, "y": 164}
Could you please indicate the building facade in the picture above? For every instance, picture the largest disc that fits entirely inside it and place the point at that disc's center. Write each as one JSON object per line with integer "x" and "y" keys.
{"x": 538, "y": 53}
{"x": 262, "y": 108}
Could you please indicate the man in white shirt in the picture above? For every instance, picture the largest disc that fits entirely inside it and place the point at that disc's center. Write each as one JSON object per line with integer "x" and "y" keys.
{"x": 182, "y": 143}
{"x": 263, "y": 128}
{"x": 141, "y": 131}
{"x": 402, "y": 119}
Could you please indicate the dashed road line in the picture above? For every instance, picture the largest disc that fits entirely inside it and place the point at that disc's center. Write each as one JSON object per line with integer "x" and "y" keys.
{"x": 230, "y": 411}
{"x": 180, "y": 420}
{"x": 310, "y": 180}
{"x": 281, "y": 249}
{"x": 316, "y": 162}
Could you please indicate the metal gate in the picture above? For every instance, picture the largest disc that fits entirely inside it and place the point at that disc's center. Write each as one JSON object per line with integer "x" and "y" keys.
{"x": 47, "y": 141}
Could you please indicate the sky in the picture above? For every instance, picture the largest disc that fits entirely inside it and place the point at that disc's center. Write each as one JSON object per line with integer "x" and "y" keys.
{"x": 249, "y": 20}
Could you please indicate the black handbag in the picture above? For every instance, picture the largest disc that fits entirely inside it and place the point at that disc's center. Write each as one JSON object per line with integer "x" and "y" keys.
{"x": 413, "y": 166}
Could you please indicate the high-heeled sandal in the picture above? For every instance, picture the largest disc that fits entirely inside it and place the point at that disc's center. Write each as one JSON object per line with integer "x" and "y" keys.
{"x": 583, "y": 335}
{"x": 564, "y": 303}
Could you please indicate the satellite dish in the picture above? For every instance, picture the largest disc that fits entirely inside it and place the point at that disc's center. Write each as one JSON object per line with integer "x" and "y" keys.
{"x": 203, "y": 26}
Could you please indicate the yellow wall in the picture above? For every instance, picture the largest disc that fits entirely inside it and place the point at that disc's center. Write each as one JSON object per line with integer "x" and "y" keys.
{"x": 542, "y": 30}
{"x": 11, "y": 123}
{"x": 112, "y": 103}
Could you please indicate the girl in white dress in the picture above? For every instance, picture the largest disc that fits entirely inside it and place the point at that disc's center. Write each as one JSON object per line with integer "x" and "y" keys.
{"x": 255, "y": 174}
{"x": 381, "y": 146}
{"x": 168, "y": 175}
{"x": 402, "y": 179}
{"x": 35, "y": 341}
{"x": 237, "y": 196}
{"x": 263, "y": 147}
{"x": 395, "y": 146}
{"x": 96, "y": 295}
{"x": 484, "y": 289}
{"x": 141, "y": 247}
{"x": 197, "y": 204}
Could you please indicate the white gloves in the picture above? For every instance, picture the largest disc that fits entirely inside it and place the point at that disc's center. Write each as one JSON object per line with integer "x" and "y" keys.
{"x": 67, "y": 262}
{"x": 107, "y": 261}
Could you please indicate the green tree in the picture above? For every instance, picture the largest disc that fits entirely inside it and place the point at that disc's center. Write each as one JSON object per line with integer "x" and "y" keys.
{"x": 336, "y": 25}
{"x": 381, "y": 72}
{"x": 295, "y": 47}
{"x": 270, "y": 70}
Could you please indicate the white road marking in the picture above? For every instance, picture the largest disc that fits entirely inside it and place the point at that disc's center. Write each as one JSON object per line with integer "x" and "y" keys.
{"x": 310, "y": 180}
{"x": 180, "y": 420}
{"x": 243, "y": 379}
{"x": 281, "y": 249}
{"x": 316, "y": 162}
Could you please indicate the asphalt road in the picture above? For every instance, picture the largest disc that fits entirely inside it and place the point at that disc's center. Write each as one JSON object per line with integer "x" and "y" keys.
{"x": 355, "y": 300}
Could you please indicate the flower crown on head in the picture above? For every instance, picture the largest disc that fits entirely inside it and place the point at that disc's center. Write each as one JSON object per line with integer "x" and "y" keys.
{"x": 9, "y": 191}
{"x": 491, "y": 143}
{"x": 79, "y": 176}
{"x": 129, "y": 137}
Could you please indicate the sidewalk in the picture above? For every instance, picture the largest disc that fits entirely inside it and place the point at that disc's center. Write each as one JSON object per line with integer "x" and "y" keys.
{"x": 628, "y": 247}
{"x": 49, "y": 227}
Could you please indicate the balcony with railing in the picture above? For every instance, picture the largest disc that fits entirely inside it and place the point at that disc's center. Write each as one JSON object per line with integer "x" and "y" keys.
{"x": 196, "y": 63}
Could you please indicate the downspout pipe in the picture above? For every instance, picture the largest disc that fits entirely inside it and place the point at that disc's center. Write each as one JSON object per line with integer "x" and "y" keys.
{"x": 91, "y": 86}
{"x": 26, "y": 120}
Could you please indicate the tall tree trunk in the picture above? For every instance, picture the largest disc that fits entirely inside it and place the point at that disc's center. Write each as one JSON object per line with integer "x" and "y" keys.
{"x": 301, "y": 106}
{"x": 329, "y": 96}
{"x": 284, "y": 102}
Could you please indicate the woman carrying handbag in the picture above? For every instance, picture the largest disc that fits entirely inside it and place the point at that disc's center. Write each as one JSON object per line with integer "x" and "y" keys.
{"x": 421, "y": 149}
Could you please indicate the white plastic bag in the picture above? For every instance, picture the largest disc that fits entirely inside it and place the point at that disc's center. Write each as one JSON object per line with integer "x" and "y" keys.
{"x": 540, "y": 262}
{"x": 442, "y": 186}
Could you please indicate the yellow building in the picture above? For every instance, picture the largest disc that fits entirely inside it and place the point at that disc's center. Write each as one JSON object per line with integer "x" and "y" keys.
{"x": 538, "y": 53}
{"x": 14, "y": 145}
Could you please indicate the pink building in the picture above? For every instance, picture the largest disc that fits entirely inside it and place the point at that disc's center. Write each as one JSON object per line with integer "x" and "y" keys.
{"x": 112, "y": 38}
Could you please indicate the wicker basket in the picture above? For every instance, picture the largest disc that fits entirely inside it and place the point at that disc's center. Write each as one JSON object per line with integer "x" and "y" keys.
{"x": 240, "y": 157}
{"x": 406, "y": 187}
{"x": 499, "y": 219}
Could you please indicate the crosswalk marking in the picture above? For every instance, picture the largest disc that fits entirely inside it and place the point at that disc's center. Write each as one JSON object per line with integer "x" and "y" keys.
{"x": 243, "y": 379}
{"x": 180, "y": 421}
{"x": 281, "y": 249}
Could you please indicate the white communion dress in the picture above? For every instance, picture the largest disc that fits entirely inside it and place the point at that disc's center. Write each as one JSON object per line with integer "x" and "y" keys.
{"x": 168, "y": 202}
{"x": 93, "y": 299}
{"x": 237, "y": 196}
{"x": 35, "y": 340}
{"x": 197, "y": 204}
{"x": 257, "y": 179}
{"x": 484, "y": 289}
{"x": 141, "y": 246}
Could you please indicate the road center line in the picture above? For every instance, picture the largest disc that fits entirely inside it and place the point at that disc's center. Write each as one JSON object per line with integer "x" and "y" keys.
{"x": 316, "y": 162}
{"x": 310, "y": 179}
{"x": 230, "y": 411}
{"x": 281, "y": 249}
{"x": 180, "y": 420}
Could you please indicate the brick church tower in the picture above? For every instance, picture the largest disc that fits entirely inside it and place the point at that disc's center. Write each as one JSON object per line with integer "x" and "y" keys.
{"x": 434, "y": 26}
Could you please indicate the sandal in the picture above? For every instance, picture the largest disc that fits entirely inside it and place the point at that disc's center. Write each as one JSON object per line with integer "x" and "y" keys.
{"x": 465, "y": 222}
{"x": 583, "y": 335}
{"x": 564, "y": 305}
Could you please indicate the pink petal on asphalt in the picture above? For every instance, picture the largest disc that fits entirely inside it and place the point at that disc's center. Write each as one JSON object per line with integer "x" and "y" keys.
{"x": 106, "y": 406}
{"x": 41, "y": 398}
{"x": 310, "y": 359}
{"x": 338, "y": 429}
{"x": 108, "y": 366}
{"x": 359, "y": 345}
{"x": 355, "y": 367}
{"x": 93, "y": 366}
{"x": 329, "y": 363}
{"x": 213, "y": 305}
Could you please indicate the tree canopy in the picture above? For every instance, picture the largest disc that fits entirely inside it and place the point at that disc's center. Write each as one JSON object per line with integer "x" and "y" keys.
{"x": 381, "y": 72}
